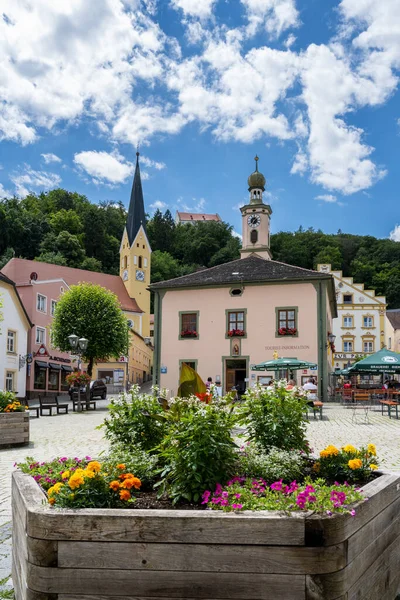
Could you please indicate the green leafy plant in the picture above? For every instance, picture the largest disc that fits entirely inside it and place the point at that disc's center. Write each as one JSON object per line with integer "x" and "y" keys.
{"x": 197, "y": 449}
{"x": 9, "y": 403}
{"x": 276, "y": 464}
{"x": 138, "y": 461}
{"x": 131, "y": 420}
{"x": 275, "y": 417}
{"x": 50, "y": 472}
{"x": 347, "y": 464}
{"x": 255, "y": 494}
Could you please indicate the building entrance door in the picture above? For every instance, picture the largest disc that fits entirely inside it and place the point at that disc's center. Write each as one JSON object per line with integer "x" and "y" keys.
{"x": 235, "y": 375}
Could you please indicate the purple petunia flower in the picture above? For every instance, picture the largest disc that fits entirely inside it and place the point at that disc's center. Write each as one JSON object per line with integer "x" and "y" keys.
{"x": 237, "y": 506}
{"x": 277, "y": 486}
{"x": 206, "y": 497}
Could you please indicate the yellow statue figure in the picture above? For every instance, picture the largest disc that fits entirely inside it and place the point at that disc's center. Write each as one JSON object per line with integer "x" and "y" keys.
{"x": 275, "y": 355}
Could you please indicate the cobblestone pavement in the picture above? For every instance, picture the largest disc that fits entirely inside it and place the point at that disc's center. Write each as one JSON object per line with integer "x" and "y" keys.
{"x": 75, "y": 435}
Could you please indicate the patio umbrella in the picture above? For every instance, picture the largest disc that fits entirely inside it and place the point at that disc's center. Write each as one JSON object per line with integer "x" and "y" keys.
{"x": 279, "y": 364}
{"x": 383, "y": 361}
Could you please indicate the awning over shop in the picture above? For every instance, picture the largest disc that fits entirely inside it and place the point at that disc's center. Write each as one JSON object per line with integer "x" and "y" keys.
{"x": 55, "y": 366}
{"x": 383, "y": 361}
{"x": 67, "y": 368}
{"x": 41, "y": 364}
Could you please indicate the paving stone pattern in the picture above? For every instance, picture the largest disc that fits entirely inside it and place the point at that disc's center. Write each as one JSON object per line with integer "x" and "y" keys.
{"x": 75, "y": 434}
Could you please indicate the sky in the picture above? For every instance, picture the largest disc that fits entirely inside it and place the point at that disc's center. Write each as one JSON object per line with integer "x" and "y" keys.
{"x": 202, "y": 86}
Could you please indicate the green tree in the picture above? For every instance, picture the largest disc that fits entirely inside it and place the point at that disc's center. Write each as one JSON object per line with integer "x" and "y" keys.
{"x": 54, "y": 258}
{"x": 70, "y": 247}
{"x": 329, "y": 255}
{"x": 66, "y": 220}
{"x": 7, "y": 256}
{"x": 164, "y": 266}
{"x": 92, "y": 312}
{"x": 161, "y": 231}
{"x": 91, "y": 264}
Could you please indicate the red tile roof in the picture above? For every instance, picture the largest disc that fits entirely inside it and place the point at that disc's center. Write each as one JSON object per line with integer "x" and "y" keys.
{"x": 185, "y": 216}
{"x": 20, "y": 270}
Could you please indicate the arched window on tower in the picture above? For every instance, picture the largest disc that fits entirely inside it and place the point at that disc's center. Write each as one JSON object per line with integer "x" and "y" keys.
{"x": 254, "y": 236}
{"x": 140, "y": 262}
{"x": 125, "y": 262}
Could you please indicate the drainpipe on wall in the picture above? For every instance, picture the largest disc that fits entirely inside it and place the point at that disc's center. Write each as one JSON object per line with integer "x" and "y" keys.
{"x": 157, "y": 338}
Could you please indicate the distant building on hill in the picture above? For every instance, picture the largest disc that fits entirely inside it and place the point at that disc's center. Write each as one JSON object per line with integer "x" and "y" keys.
{"x": 41, "y": 284}
{"x": 224, "y": 320}
{"x": 393, "y": 329}
{"x": 185, "y": 217}
{"x": 360, "y": 326}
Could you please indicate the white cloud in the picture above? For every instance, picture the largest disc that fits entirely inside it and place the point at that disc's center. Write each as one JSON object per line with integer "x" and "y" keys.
{"x": 194, "y": 8}
{"x": 104, "y": 167}
{"x": 51, "y": 158}
{"x": 326, "y": 198}
{"x": 290, "y": 40}
{"x": 395, "y": 234}
{"x": 4, "y": 193}
{"x": 148, "y": 162}
{"x": 196, "y": 205}
{"x": 274, "y": 15}
{"x": 158, "y": 205}
{"x": 30, "y": 180}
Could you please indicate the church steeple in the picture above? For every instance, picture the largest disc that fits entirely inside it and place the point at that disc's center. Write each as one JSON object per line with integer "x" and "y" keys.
{"x": 136, "y": 214}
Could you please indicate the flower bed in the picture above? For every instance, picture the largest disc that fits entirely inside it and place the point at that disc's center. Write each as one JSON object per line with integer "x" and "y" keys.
{"x": 14, "y": 421}
{"x": 98, "y": 553}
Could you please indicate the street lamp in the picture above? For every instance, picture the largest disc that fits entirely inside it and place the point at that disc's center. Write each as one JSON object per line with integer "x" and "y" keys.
{"x": 331, "y": 338}
{"x": 79, "y": 345}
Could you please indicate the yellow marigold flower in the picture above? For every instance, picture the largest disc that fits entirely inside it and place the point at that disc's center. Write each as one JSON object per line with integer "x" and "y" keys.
{"x": 75, "y": 481}
{"x": 371, "y": 449}
{"x": 373, "y": 467}
{"x": 121, "y": 466}
{"x": 356, "y": 463}
{"x": 57, "y": 487}
{"x": 94, "y": 466}
{"x": 50, "y": 491}
{"x": 89, "y": 474}
{"x": 52, "y": 500}
{"x": 316, "y": 467}
{"x": 65, "y": 475}
{"x": 124, "y": 495}
{"x": 114, "y": 485}
{"x": 350, "y": 448}
{"x": 329, "y": 451}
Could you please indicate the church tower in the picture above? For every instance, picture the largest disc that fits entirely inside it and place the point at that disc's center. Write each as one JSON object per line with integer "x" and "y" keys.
{"x": 135, "y": 253}
{"x": 256, "y": 219}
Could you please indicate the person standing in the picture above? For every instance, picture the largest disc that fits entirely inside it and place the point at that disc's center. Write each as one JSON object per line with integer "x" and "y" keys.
{"x": 209, "y": 383}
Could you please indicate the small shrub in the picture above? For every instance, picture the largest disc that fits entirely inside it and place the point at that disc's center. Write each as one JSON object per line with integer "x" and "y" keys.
{"x": 197, "y": 450}
{"x": 9, "y": 403}
{"x": 130, "y": 421}
{"x": 346, "y": 464}
{"x": 138, "y": 461}
{"x": 277, "y": 464}
{"x": 276, "y": 417}
{"x": 256, "y": 494}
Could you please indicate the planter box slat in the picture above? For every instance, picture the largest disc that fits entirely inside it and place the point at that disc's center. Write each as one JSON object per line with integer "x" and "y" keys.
{"x": 202, "y": 557}
{"x": 14, "y": 428}
{"x": 238, "y": 586}
{"x": 326, "y": 531}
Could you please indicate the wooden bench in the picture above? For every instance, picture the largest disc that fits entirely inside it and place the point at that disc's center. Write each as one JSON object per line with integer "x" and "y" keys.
{"x": 390, "y": 404}
{"x": 25, "y": 402}
{"x": 84, "y": 403}
{"x": 49, "y": 403}
{"x": 316, "y": 407}
{"x": 362, "y": 401}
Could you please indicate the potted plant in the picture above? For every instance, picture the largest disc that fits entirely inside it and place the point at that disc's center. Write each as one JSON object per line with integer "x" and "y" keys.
{"x": 287, "y": 331}
{"x": 14, "y": 420}
{"x": 236, "y": 333}
{"x": 188, "y": 333}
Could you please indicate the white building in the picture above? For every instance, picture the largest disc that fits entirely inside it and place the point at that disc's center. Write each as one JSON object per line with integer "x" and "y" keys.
{"x": 393, "y": 329}
{"x": 13, "y": 339}
{"x": 360, "y": 326}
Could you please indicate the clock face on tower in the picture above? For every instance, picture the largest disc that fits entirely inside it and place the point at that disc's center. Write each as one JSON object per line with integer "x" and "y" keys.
{"x": 254, "y": 220}
{"x": 125, "y": 275}
{"x": 140, "y": 275}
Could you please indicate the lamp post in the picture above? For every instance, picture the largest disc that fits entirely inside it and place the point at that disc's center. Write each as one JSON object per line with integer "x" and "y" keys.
{"x": 79, "y": 346}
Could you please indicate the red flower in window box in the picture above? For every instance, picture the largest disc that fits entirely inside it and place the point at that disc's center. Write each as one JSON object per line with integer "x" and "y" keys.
{"x": 236, "y": 332}
{"x": 287, "y": 331}
{"x": 188, "y": 333}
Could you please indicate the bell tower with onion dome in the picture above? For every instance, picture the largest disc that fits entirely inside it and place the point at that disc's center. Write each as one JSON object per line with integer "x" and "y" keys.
{"x": 256, "y": 219}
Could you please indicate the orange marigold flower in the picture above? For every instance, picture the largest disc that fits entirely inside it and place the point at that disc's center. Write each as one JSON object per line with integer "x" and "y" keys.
{"x": 126, "y": 476}
{"x": 131, "y": 482}
{"x": 52, "y": 500}
{"x": 94, "y": 466}
{"x": 124, "y": 495}
{"x": 121, "y": 466}
{"x": 114, "y": 485}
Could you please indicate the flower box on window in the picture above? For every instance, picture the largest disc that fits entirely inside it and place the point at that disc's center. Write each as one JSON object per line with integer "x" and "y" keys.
{"x": 236, "y": 332}
{"x": 189, "y": 333}
{"x": 287, "y": 331}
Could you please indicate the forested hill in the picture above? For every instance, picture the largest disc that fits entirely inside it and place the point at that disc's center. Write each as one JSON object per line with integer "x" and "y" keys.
{"x": 65, "y": 228}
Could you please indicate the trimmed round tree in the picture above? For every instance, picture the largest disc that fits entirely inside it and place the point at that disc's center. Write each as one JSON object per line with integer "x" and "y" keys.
{"x": 92, "y": 312}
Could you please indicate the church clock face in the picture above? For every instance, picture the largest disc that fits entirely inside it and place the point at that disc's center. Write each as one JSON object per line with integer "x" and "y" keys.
{"x": 125, "y": 275}
{"x": 253, "y": 220}
{"x": 140, "y": 275}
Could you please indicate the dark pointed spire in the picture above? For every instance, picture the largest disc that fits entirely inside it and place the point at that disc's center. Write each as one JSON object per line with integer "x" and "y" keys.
{"x": 136, "y": 214}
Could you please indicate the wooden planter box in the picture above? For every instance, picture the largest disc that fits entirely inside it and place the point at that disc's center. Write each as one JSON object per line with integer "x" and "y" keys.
{"x": 14, "y": 429}
{"x": 168, "y": 554}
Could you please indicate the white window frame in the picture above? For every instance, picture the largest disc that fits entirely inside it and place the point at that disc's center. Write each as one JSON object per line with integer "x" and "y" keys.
{"x": 135, "y": 260}
{"x": 345, "y": 319}
{"x": 145, "y": 262}
{"x": 53, "y": 304}
{"x": 7, "y": 381}
{"x": 344, "y": 346}
{"x": 367, "y": 343}
{"x": 44, "y": 335}
{"x": 45, "y": 303}
{"x": 368, "y": 318}
{"x": 12, "y": 350}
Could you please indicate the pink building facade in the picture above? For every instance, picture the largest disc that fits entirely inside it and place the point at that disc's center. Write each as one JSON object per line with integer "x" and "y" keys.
{"x": 224, "y": 320}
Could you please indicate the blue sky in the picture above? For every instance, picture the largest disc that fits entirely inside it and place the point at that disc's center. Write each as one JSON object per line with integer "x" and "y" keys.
{"x": 310, "y": 86}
